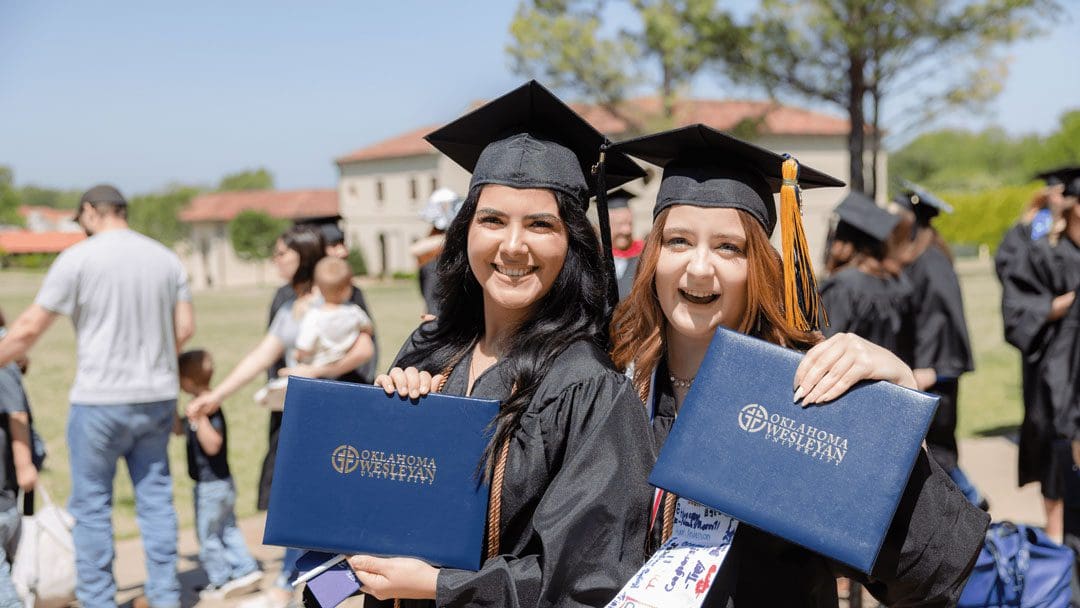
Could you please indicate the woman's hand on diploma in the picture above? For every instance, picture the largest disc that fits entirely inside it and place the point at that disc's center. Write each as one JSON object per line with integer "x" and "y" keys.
{"x": 831, "y": 367}
{"x": 409, "y": 382}
{"x": 395, "y": 577}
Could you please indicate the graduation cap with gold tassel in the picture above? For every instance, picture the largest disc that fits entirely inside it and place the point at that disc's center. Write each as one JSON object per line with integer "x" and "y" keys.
{"x": 704, "y": 167}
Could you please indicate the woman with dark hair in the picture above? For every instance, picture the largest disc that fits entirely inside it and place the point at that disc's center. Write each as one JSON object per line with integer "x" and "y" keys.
{"x": 523, "y": 300}
{"x": 295, "y": 254}
{"x": 707, "y": 263}
{"x": 861, "y": 295}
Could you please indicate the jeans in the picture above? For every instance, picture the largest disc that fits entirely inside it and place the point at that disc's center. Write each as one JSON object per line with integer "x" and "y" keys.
{"x": 9, "y": 533}
{"x": 222, "y": 551}
{"x": 98, "y": 436}
{"x": 289, "y": 572}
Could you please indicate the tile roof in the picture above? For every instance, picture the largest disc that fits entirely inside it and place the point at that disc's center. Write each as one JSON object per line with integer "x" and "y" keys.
{"x": 49, "y": 214}
{"x": 771, "y": 118}
{"x": 284, "y": 204}
{"x": 25, "y": 241}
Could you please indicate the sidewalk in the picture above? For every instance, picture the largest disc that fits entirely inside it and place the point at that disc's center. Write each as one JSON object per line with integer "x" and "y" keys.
{"x": 989, "y": 462}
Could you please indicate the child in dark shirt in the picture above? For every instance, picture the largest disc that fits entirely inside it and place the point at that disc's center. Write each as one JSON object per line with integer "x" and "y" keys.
{"x": 222, "y": 551}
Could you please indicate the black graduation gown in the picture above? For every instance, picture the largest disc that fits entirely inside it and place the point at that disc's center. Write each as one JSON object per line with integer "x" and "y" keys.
{"x": 877, "y": 309}
{"x": 941, "y": 343}
{"x": 1046, "y": 272}
{"x": 927, "y": 555}
{"x": 428, "y": 275}
{"x": 364, "y": 374}
{"x": 1037, "y": 461}
{"x": 575, "y": 496}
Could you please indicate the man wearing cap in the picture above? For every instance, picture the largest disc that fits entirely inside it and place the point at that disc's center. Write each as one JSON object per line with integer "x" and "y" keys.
{"x": 624, "y": 248}
{"x": 128, "y": 298}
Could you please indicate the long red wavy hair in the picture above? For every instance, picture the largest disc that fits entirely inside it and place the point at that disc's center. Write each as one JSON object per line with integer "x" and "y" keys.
{"x": 638, "y": 327}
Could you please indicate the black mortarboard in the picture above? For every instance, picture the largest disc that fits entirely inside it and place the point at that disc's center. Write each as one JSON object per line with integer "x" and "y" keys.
{"x": 101, "y": 194}
{"x": 707, "y": 168}
{"x": 528, "y": 138}
{"x": 704, "y": 167}
{"x": 862, "y": 213}
{"x": 332, "y": 235}
{"x": 921, "y": 201}
{"x": 1061, "y": 175}
{"x": 619, "y": 198}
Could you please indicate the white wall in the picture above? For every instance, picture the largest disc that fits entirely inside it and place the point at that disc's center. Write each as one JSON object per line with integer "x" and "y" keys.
{"x": 211, "y": 262}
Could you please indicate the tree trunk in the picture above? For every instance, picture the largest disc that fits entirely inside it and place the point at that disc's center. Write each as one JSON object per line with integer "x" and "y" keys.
{"x": 875, "y": 142}
{"x": 857, "y": 132}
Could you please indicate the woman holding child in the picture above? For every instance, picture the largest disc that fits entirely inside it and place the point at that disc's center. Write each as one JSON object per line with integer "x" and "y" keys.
{"x": 707, "y": 263}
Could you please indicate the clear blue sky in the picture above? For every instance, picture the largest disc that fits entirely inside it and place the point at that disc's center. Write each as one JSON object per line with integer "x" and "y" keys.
{"x": 143, "y": 94}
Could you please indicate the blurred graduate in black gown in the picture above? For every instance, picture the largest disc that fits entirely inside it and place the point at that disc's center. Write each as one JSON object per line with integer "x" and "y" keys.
{"x": 941, "y": 350}
{"x": 1039, "y": 459}
{"x": 1042, "y": 319}
{"x": 861, "y": 295}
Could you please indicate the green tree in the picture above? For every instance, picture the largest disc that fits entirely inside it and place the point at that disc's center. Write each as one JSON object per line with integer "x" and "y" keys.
{"x": 9, "y": 198}
{"x": 157, "y": 215}
{"x": 1061, "y": 148}
{"x": 858, "y": 54}
{"x": 257, "y": 179}
{"x": 564, "y": 43}
{"x": 253, "y": 233}
{"x": 38, "y": 196}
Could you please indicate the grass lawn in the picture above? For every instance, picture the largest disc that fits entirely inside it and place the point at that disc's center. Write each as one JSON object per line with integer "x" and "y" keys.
{"x": 228, "y": 323}
{"x": 231, "y": 321}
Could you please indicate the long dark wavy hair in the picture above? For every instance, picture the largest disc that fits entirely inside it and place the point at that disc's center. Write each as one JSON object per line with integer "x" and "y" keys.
{"x": 307, "y": 241}
{"x": 573, "y": 310}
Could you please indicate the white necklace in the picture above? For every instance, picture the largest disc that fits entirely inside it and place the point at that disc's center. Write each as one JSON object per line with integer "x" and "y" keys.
{"x": 678, "y": 382}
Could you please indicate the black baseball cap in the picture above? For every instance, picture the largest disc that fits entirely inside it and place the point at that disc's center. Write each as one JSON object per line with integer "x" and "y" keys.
{"x": 101, "y": 194}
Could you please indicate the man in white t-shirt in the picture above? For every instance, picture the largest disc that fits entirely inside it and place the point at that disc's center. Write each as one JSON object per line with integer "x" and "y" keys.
{"x": 128, "y": 298}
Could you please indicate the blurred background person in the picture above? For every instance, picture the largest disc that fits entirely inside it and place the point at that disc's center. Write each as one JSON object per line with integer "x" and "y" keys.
{"x": 442, "y": 206}
{"x": 624, "y": 248}
{"x": 941, "y": 348}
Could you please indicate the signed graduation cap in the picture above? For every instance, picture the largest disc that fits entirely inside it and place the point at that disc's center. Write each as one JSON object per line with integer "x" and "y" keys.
{"x": 704, "y": 167}
{"x": 529, "y": 138}
{"x": 921, "y": 202}
{"x": 861, "y": 213}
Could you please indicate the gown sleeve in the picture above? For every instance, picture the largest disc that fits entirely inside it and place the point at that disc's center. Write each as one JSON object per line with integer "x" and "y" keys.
{"x": 931, "y": 545}
{"x": 589, "y": 525}
{"x": 838, "y": 301}
{"x": 941, "y": 341}
{"x": 1026, "y": 297}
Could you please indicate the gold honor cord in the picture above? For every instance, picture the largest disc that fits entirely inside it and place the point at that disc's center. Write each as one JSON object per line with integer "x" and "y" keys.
{"x": 802, "y": 304}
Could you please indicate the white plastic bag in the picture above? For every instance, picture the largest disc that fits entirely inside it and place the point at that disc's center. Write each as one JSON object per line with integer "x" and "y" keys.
{"x": 44, "y": 567}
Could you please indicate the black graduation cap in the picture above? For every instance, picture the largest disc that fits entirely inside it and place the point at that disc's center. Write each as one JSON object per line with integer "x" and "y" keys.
{"x": 619, "y": 198}
{"x": 862, "y": 213}
{"x": 1061, "y": 175}
{"x": 921, "y": 201}
{"x": 709, "y": 168}
{"x": 528, "y": 138}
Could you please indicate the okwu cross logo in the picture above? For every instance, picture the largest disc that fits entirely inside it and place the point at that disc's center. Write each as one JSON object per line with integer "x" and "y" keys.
{"x": 753, "y": 417}
{"x": 345, "y": 459}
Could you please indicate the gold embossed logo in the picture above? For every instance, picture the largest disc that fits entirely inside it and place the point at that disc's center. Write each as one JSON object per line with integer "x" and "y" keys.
{"x": 395, "y": 466}
{"x": 345, "y": 459}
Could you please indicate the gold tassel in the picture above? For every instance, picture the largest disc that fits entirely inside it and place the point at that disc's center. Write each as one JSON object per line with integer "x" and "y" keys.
{"x": 802, "y": 304}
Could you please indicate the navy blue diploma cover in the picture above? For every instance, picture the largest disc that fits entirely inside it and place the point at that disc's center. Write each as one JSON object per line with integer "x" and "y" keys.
{"x": 826, "y": 477}
{"x": 358, "y": 471}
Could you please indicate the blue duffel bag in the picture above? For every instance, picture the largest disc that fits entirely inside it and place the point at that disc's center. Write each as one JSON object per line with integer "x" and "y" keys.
{"x": 1019, "y": 566}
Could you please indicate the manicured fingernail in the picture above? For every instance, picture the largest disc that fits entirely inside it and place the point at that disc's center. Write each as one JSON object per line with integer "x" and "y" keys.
{"x": 798, "y": 395}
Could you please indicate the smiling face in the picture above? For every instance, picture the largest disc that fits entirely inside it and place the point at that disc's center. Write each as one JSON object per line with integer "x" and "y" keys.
{"x": 701, "y": 270}
{"x": 517, "y": 245}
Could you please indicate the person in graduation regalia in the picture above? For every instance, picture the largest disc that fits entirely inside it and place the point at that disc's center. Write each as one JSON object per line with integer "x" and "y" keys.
{"x": 624, "y": 247}
{"x": 861, "y": 295}
{"x": 1039, "y": 459}
{"x": 708, "y": 262}
{"x": 524, "y": 301}
{"x": 1042, "y": 319}
{"x": 942, "y": 350}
